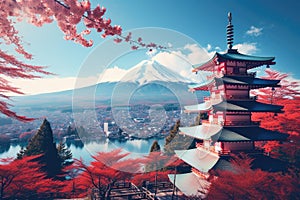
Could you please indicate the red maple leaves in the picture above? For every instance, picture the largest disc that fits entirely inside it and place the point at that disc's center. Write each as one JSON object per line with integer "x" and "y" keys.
{"x": 23, "y": 179}
{"x": 68, "y": 14}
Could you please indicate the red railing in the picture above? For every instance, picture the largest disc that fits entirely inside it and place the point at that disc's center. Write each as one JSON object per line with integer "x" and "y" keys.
{"x": 241, "y": 123}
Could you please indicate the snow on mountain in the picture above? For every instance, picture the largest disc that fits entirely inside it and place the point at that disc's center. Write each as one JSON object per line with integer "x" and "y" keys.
{"x": 152, "y": 71}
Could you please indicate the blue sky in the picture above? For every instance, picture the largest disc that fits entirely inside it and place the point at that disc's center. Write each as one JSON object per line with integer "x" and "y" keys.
{"x": 265, "y": 28}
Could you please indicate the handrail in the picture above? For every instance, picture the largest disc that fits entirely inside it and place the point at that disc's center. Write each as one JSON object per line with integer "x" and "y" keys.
{"x": 233, "y": 97}
{"x": 241, "y": 123}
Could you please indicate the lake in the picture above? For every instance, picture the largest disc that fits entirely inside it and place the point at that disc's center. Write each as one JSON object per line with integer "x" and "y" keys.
{"x": 136, "y": 148}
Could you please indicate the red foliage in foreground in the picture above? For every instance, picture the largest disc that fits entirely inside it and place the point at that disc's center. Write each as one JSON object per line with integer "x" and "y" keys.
{"x": 108, "y": 168}
{"x": 245, "y": 183}
{"x": 23, "y": 179}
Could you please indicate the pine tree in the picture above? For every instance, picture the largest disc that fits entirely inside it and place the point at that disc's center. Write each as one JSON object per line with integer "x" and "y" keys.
{"x": 177, "y": 141}
{"x": 155, "y": 147}
{"x": 173, "y": 133}
{"x": 42, "y": 143}
{"x": 64, "y": 154}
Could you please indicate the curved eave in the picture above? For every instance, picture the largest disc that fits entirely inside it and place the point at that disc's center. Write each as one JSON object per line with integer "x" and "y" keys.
{"x": 190, "y": 184}
{"x": 234, "y": 55}
{"x": 207, "y": 66}
{"x": 247, "y": 106}
{"x": 253, "y": 83}
{"x": 201, "y": 159}
{"x": 229, "y": 136}
{"x": 205, "y": 106}
{"x": 202, "y": 86}
{"x": 202, "y": 132}
{"x": 236, "y": 134}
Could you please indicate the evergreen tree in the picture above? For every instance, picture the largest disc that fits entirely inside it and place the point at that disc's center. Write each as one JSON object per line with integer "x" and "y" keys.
{"x": 200, "y": 117}
{"x": 64, "y": 154}
{"x": 42, "y": 143}
{"x": 155, "y": 147}
{"x": 175, "y": 141}
{"x": 173, "y": 132}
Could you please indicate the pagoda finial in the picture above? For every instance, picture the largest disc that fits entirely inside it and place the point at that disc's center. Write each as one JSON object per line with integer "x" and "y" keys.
{"x": 229, "y": 32}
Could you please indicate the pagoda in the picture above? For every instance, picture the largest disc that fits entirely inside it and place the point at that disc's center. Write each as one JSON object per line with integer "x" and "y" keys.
{"x": 229, "y": 129}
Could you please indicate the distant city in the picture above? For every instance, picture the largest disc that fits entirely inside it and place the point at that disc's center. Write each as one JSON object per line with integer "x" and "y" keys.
{"x": 114, "y": 123}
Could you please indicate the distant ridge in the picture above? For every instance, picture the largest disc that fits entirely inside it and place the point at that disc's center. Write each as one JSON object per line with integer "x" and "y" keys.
{"x": 151, "y": 81}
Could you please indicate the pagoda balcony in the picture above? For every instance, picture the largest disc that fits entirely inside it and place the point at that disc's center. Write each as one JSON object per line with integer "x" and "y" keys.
{"x": 200, "y": 145}
{"x": 240, "y": 98}
{"x": 255, "y": 151}
{"x": 214, "y": 121}
{"x": 249, "y": 74}
{"x": 212, "y": 149}
{"x": 241, "y": 123}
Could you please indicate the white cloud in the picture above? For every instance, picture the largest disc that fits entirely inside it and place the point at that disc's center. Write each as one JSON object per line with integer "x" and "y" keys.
{"x": 182, "y": 60}
{"x": 112, "y": 75}
{"x": 56, "y": 84}
{"x": 208, "y": 47}
{"x": 254, "y": 31}
{"x": 246, "y": 48}
{"x": 37, "y": 86}
{"x": 217, "y": 48}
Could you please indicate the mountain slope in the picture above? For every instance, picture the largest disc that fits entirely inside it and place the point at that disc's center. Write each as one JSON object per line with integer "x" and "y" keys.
{"x": 151, "y": 71}
{"x": 148, "y": 81}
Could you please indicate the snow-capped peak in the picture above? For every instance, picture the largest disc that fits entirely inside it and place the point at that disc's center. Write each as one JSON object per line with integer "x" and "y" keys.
{"x": 150, "y": 71}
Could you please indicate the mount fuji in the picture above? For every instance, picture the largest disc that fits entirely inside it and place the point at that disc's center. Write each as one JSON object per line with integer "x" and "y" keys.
{"x": 151, "y": 71}
{"x": 146, "y": 82}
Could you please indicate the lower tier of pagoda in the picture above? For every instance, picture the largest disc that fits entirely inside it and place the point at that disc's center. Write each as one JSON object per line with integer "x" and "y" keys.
{"x": 218, "y": 103}
{"x": 197, "y": 182}
{"x": 219, "y": 133}
{"x": 246, "y": 106}
{"x": 191, "y": 184}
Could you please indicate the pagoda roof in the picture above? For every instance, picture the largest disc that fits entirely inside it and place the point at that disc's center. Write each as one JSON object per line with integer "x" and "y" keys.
{"x": 205, "y": 106}
{"x": 247, "y": 106}
{"x": 260, "y": 161}
{"x": 231, "y": 134}
{"x": 198, "y": 107}
{"x": 251, "y": 133}
{"x": 247, "y": 80}
{"x": 205, "y": 85}
{"x": 223, "y": 164}
{"x": 190, "y": 184}
{"x": 234, "y": 55}
{"x": 199, "y": 158}
{"x": 202, "y": 132}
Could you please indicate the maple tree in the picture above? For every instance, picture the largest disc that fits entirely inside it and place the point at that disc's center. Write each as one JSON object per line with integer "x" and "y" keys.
{"x": 69, "y": 15}
{"x": 23, "y": 179}
{"x": 288, "y": 89}
{"x": 242, "y": 182}
{"x": 106, "y": 169}
{"x": 288, "y": 122}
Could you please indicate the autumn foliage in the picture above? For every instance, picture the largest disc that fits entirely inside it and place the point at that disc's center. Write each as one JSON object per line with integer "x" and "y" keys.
{"x": 288, "y": 122}
{"x": 106, "y": 169}
{"x": 23, "y": 179}
{"x": 245, "y": 183}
